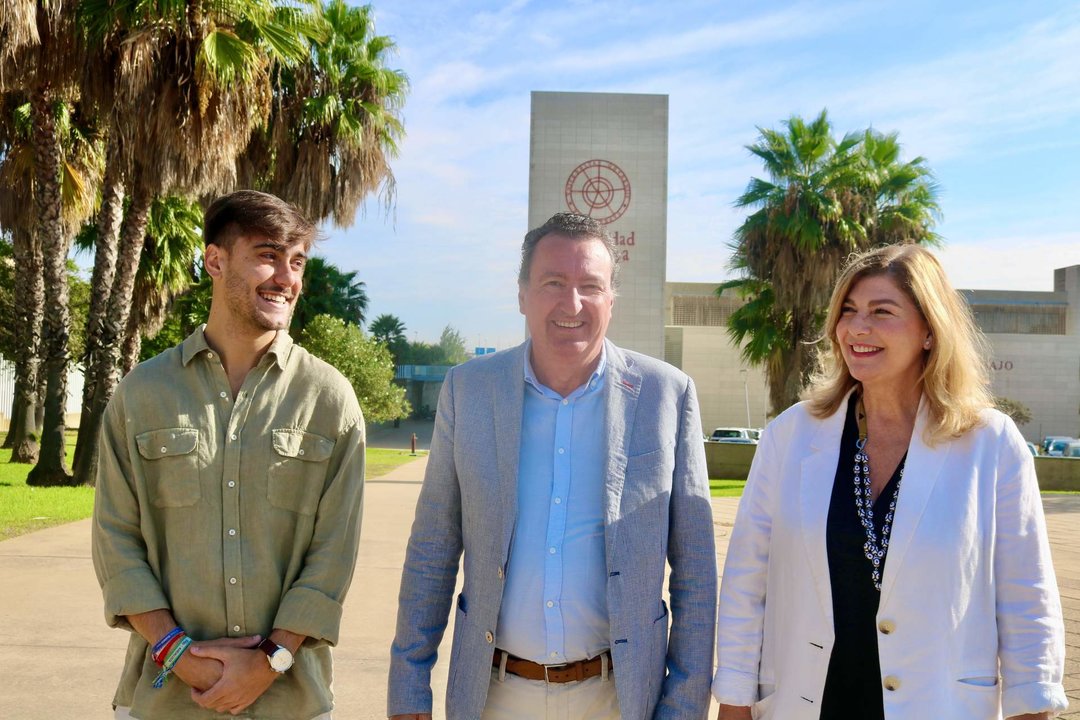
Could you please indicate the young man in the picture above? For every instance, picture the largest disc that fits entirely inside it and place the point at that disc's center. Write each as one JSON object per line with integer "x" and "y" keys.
{"x": 229, "y": 493}
{"x": 569, "y": 472}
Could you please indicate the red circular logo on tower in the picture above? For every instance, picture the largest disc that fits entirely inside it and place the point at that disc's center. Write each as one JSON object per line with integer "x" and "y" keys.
{"x": 599, "y": 189}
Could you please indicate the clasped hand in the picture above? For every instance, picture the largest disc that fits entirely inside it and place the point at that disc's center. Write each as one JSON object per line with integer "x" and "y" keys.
{"x": 226, "y": 675}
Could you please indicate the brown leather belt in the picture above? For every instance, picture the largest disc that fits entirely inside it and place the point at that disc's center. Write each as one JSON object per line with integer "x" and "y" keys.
{"x": 569, "y": 672}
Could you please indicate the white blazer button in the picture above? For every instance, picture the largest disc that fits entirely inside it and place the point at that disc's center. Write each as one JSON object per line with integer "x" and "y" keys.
{"x": 499, "y": 572}
{"x": 891, "y": 683}
{"x": 887, "y": 627}
{"x": 489, "y": 637}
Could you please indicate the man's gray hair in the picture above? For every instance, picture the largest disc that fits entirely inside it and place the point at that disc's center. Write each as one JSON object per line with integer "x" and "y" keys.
{"x": 575, "y": 227}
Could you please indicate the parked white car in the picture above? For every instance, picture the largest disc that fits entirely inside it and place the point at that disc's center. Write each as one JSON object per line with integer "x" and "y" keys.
{"x": 740, "y": 436}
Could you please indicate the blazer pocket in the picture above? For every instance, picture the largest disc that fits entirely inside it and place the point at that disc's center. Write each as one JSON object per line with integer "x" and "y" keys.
{"x": 298, "y": 470}
{"x": 980, "y": 681}
{"x": 171, "y": 466}
{"x": 649, "y": 461}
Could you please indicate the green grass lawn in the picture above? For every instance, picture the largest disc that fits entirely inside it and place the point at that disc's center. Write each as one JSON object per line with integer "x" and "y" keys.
{"x": 24, "y": 509}
{"x": 380, "y": 461}
{"x": 726, "y": 488}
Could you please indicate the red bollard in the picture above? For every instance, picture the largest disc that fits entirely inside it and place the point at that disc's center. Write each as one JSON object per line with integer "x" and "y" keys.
{"x": 413, "y": 444}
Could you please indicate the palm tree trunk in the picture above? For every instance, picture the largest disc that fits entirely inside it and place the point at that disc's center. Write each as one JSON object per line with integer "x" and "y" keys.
{"x": 29, "y": 298}
{"x": 108, "y": 226}
{"x": 132, "y": 235}
{"x": 132, "y": 342}
{"x": 51, "y": 468}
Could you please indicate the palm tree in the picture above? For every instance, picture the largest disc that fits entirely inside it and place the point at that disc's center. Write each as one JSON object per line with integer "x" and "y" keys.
{"x": 328, "y": 291}
{"x": 824, "y": 199}
{"x": 80, "y": 171}
{"x": 166, "y": 267}
{"x": 390, "y": 331}
{"x": 198, "y": 73}
{"x": 40, "y": 57}
{"x": 335, "y": 122}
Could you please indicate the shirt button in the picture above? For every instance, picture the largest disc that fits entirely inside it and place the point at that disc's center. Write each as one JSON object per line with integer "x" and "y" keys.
{"x": 891, "y": 683}
{"x": 551, "y": 550}
{"x": 236, "y": 628}
{"x": 558, "y": 501}
{"x": 550, "y": 603}
{"x": 300, "y": 451}
{"x": 232, "y": 532}
{"x": 565, "y": 401}
{"x": 886, "y": 627}
{"x": 210, "y": 355}
{"x": 489, "y": 637}
{"x": 233, "y": 436}
{"x": 232, "y": 483}
{"x": 224, "y": 394}
{"x": 561, "y": 451}
{"x": 232, "y": 581}
{"x": 554, "y": 654}
{"x": 164, "y": 449}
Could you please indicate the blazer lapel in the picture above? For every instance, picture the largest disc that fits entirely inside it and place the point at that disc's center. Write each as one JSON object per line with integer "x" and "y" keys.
{"x": 921, "y": 472}
{"x": 818, "y": 472}
{"x": 622, "y": 387}
{"x": 508, "y": 399}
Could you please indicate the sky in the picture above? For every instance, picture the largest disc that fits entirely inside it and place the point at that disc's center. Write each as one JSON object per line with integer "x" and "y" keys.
{"x": 987, "y": 92}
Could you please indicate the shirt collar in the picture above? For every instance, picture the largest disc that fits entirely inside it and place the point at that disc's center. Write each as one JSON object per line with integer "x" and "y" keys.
{"x": 591, "y": 384}
{"x": 279, "y": 349}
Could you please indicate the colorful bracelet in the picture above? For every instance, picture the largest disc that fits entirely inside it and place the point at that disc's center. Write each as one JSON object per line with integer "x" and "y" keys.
{"x": 162, "y": 645}
{"x": 161, "y": 650}
{"x": 175, "y": 653}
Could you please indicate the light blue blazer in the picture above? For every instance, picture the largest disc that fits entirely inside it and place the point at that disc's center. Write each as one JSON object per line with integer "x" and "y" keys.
{"x": 657, "y": 511}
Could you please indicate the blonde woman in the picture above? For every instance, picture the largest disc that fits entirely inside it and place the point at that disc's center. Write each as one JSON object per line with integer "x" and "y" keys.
{"x": 889, "y": 560}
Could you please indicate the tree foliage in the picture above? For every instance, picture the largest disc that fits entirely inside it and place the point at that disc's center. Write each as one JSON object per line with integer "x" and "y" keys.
{"x": 1019, "y": 412}
{"x": 364, "y": 362}
{"x": 390, "y": 331}
{"x": 328, "y": 290}
{"x": 824, "y": 198}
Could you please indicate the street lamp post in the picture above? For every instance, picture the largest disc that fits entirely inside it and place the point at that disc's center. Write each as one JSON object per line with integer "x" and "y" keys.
{"x": 746, "y": 393}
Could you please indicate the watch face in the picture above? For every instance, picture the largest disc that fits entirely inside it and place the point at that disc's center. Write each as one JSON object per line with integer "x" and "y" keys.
{"x": 281, "y": 660}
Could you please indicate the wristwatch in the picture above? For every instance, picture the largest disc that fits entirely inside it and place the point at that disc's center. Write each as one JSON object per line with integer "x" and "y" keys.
{"x": 280, "y": 658}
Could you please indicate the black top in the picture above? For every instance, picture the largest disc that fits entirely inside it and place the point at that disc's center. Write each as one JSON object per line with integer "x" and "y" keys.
{"x": 853, "y": 685}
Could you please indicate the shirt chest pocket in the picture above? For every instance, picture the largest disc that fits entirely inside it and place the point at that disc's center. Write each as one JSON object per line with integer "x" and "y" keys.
{"x": 171, "y": 466}
{"x": 298, "y": 470}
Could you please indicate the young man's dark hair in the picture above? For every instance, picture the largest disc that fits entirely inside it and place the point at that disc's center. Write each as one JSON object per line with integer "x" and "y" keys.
{"x": 250, "y": 211}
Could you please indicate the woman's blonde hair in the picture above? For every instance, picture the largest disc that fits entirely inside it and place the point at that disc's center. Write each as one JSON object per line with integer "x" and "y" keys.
{"x": 954, "y": 375}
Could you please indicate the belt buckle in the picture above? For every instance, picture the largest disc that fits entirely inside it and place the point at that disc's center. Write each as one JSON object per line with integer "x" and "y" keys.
{"x": 555, "y": 667}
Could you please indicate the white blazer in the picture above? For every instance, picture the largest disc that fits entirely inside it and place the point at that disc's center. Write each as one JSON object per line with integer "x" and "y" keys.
{"x": 969, "y": 624}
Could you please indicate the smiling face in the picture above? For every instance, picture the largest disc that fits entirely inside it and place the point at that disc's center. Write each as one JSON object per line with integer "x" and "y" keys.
{"x": 567, "y": 302}
{"x": 258, "y": 280}
{"x": 881, "y": 333}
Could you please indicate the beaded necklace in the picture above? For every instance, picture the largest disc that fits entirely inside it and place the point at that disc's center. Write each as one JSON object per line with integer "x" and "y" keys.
{"x": 874, "y": 550}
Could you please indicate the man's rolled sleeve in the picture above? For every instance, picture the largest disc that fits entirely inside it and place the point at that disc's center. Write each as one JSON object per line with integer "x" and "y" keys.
{"x": 312, "y": 606}
{"x": 128, "y": 583}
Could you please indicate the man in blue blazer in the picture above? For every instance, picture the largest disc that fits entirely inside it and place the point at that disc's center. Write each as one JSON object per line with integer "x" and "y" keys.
{"x": 570, "y": 472}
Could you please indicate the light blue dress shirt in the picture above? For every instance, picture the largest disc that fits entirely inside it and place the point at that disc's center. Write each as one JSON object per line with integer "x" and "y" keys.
{"x": 554, "y": 607}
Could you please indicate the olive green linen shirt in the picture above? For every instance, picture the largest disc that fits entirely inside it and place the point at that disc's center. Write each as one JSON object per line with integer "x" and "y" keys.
{"x": 238, "y": 515}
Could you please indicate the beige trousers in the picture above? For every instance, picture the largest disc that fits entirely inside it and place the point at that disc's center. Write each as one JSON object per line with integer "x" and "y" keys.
{"x": 515, "y": 698}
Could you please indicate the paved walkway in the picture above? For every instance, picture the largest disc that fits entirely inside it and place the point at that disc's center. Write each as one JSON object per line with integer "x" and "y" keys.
{"x": 58, "y": 660}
